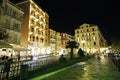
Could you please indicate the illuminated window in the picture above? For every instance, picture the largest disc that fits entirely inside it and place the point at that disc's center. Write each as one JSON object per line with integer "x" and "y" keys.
{"x": 94, "y": 38}
{"x": 64, "y": 42}
{"x": 82, "y": 31}
{"x": 63, "y": 34}
{"x": 88, "y": 34}
{"x": 78, "y": 39}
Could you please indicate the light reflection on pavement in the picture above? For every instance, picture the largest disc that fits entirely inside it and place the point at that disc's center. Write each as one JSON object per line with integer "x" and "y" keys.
{"x": 99, "y": 69}
{"x": 93, "y": 69}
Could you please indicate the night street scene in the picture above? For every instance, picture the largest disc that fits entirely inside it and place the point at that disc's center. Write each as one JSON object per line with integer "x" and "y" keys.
{"x": 59, "y": 40}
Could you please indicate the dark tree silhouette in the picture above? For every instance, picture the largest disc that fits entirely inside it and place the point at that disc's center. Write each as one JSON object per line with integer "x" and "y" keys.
{"x": 72, "y": 45}
{"x": 80, "y": 52}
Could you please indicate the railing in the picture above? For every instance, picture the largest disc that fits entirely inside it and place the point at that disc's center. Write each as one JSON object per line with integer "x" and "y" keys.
{"x": 12, "y": 70}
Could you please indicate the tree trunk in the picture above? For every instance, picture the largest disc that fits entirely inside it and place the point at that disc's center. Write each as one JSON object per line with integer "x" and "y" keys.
{"x": 71, "y": 54}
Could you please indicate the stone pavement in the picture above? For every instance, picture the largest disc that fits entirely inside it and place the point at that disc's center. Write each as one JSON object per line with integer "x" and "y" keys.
{"x": 93, "y": 69}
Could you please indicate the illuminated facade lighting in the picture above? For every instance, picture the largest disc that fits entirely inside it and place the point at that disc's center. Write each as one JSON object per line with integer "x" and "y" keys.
{"x": 90, "y": 37}
{"x": 52, "y": 40}
{"x": 11, "y": 19}
{"x": 55, "y": 42}
{"x": 64, "y": 39}
{"x": 34, "y": 28}
{"x": 58, "y": 43}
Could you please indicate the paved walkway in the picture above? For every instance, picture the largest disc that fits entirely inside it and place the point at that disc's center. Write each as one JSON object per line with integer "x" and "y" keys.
{"x": 93, "y": 69}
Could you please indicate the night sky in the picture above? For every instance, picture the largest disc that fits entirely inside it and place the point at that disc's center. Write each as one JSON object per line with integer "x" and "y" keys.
{"x": 67, "y": 15}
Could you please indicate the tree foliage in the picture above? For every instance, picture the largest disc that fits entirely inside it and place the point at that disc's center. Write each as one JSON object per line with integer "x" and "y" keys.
{"x": 3, "y": 34}
{"x": 72, "y": 45}
{"x": 81, "y": 52}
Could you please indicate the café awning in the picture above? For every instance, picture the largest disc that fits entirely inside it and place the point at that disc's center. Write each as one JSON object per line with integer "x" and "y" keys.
{"x": 17, "y": 47}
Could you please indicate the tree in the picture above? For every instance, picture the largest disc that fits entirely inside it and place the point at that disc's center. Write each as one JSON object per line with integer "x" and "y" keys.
{"x": 3, "y": 33}
{"x": 72, "y": 45}
{"x": 81, "y": 52}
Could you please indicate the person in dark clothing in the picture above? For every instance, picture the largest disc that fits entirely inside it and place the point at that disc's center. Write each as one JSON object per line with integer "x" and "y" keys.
{"x": 18, "y": 57}
{"x": 7, "y": 68}
{"x": 3, "y": 57}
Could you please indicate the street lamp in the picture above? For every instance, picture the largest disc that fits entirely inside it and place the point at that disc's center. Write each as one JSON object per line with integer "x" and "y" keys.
{"x": 83, "y": 41}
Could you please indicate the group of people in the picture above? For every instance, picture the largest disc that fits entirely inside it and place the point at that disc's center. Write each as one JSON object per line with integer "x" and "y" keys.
{"x": 4, "y": 57}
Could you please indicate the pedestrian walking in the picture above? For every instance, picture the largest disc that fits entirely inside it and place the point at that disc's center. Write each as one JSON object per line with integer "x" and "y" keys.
{"x": 18, "y": 57}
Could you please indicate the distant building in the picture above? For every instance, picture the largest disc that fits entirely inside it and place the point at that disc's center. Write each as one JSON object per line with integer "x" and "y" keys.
{"x": 34, "y": 28}
{"x": 90, "y": 38}
{"x": 52, "y": 38}
{"x": 55, "y": 41}
{"x": 64, "y": 39}
{"x": 58, "y": 42}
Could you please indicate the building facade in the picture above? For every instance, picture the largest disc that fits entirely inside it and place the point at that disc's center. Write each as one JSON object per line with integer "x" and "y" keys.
{"x": 34, "y": 28}
{"x": 52, "y": 37}
{"x": 58, "y": 43}
{"x": 90, "y": 38}
{"x": 64, "y": 39}
{"x": 11, "y": 17}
